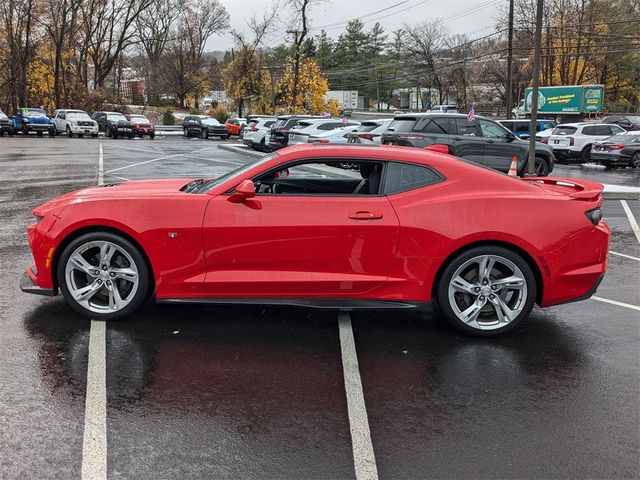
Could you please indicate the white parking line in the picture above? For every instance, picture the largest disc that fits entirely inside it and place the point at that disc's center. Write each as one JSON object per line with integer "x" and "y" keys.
{"x": 624, "y": 256}
{"x": 118, "y": 177}
{"x": 614, "y": 302}
{"x": 632, "y": 220}
{"x": 155, "y": 160}
{"x": 94, "y": 444}
{"x": 100, "y": 167}
{"x": 364, "y": 459}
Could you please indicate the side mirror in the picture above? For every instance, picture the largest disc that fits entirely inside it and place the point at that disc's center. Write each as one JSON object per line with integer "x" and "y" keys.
{"x": 511, "y": 136}
{"x": 244, "y": 191}
{"x": 438, "y": 147}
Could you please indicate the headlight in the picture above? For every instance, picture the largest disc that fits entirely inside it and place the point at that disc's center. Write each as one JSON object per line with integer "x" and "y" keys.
{"x": 25, "y": 120}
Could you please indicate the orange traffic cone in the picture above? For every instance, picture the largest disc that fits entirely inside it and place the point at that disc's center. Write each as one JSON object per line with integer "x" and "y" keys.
{"x": 513, "y": 168}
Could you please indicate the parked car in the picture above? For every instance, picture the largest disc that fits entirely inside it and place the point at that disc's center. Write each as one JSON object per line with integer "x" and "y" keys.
{"x": 235, "y": 126}
{"x": 520, "y": 128}
{"x": 407, "y": 228}
{"x": 33, "y": 120}
{"x": 255, "y": 135}
{"x": 306, "y": 128}
{"x": 76, "y": 122}
{"x": 279, "y": 134}
{"x": 142, "y": 126}
{"x": 543, "y": 136}
{"x": 628, "y": 122}
{"x": 484, "y": 141}
{"x": 443, "y": 109}
{"x": 369, "y": 132}
{"x": 622, "y": 150}
{"x": 204, "y": 127}
{"x": 5, "y": 124}
{"x": 113, "y": 124}
{"x": 573, "y": 141}
{"x": 335, "y": 136}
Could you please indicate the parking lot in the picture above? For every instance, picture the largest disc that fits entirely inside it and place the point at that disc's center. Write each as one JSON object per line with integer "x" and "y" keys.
{"x": 278, "y": 392}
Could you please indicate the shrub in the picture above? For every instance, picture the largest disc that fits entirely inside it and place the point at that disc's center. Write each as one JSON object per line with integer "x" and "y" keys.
{"x": 168, "y": 118}
{"x": 219, "y": 114}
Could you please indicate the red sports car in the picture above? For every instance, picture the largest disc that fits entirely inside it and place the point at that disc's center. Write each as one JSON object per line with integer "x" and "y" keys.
{"x": 402, "y": 228}
{"x": 235, "y": 126}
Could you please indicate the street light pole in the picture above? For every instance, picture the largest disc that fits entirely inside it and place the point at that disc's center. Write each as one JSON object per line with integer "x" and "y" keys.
{"x": 531, "y": 165}
{"x": 510, "y": 63}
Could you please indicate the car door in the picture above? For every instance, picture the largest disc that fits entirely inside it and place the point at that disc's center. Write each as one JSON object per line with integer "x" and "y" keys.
{"x": 466, "y": 142}
{"x": 499, "y": 148}
{"x": 299, "y": 245}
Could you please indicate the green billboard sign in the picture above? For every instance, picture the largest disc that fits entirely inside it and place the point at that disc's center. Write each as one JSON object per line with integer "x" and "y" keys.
{"x": 567, "y": 99}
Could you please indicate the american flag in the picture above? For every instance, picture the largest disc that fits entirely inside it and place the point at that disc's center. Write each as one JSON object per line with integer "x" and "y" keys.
{"x": 471, "y": 116}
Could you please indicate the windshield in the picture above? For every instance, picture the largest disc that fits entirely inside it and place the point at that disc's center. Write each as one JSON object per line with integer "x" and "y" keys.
{"x": 633, "y": 119}
{"x": 564, "y": 130}
{"x": 139, "y": 119}
{"x": 116, "y": 117}
{"x": 210, "y": 121}
{"x": 33, "y": 112}
{"x": 78, "y": 116}
{"x": 205, "y": 187}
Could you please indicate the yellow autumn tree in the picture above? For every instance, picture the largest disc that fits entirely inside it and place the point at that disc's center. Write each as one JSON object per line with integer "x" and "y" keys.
{"x": 312, "y": 85}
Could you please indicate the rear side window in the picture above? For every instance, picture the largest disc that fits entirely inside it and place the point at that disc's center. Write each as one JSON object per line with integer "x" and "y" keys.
{"x": 402, "y": 125}
{"x": 597, "y": 130}
{"x": 440, "y": 125}
{"x": 269, "y": 123}
{"x": 330, "y": 126}
{"x": 366, "y": 127}
{"x": 465, "y": 128}
{"x": 402, "y": 177}
{"x": 564, "y": 131}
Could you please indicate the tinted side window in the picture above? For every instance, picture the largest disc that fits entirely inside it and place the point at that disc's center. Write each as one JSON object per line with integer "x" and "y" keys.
{"x": 440, "y": 125}
{"x": 508, "y": 125}
{"x": 402, "y": 125}
{"x": 329, "y": 126}
{"x": 521, "y": 127}
{"x": 403, "y": 176}
{"x": 465, "y": 128}
{"x": 491, "y": 130}
{"x": 596, "y": 130}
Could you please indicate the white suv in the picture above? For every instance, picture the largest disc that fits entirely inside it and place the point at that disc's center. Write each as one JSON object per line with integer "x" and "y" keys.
{"x": 256, "y": 132}
{"x": 306, "y": 128}
{"x": 572, "y": 141}
{"x": 74, "y": 122}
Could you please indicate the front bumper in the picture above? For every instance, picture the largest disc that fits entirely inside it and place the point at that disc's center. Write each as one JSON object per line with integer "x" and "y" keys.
{"x": 28, "y": 285}
{"x": 38, "y": 127}
{"x": 84, "y": 129}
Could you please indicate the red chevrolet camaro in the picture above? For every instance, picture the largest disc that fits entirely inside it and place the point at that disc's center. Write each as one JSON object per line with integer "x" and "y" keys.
{"x": 328, "y": 226}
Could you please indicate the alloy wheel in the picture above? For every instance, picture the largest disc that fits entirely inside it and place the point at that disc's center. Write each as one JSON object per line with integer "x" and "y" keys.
{"x": 487, "y": 292}
{"x": 635, "y": 160}
{"x": 101, "y": 276}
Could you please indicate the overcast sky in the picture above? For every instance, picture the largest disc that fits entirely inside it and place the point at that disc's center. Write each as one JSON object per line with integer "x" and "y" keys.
{"x": 474, "y": 17}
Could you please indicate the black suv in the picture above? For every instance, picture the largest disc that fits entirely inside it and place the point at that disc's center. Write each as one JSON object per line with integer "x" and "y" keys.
{"x": 113, "y": 124}
{"x": 204, "y": 127}
{"x": 279, "y": 133}
{"x": 628, "y": 122}
{"x": 482, "y": 141}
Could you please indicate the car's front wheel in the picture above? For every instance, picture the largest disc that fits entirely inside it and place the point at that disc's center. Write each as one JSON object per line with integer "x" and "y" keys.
{"x": 486, "y": 291}
{"x": 103, "y": 276}
{"x": 541, "y": 167}
{"x": 635, "y": 160}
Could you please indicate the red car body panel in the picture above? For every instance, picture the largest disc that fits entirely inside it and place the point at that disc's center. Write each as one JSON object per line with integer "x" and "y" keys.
{"x": 234, "y": 129}
{"x": 206, "y": 246}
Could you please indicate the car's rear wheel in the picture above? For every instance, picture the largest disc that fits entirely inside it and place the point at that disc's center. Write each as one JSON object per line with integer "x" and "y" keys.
{"x": 541, "y": 167}
{"x": 69, "y": 132}
{"x": 103, "y": 276}
{"x": 486, "y": 291}
{"x": 586, "y": 154}
{"x": 635, "y": 160}
{"x": 204, "y": 134}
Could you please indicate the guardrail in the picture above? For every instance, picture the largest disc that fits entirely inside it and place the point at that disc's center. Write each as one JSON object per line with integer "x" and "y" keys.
{"x": 168, "y": 130}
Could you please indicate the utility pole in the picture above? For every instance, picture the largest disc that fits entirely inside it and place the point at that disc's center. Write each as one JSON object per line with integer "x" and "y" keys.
{"x": 273, "y": 88}
{"x": 510, "y": 63}
{"x": 296, "y": 64}
{"x": 531, "y": 165}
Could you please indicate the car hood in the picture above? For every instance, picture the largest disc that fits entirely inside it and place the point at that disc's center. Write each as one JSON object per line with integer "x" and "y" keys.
{"x": 130, "y": 189}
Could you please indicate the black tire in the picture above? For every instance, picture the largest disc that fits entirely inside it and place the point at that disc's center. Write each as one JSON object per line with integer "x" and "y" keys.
{"x": 107, "y": 133}
{"x": 152, "y": 136}
{"x": 69, "y": 132}
{"x": 634, "y": 161}
{"x": 585, "y": 156}
{"x": 186, "y": 132}
{"x": 11, "y": 131}
{"x": 263, "y": 147}
{"x": 40, "y": 133}
{"x": 144, "y": 280}
{"x": 442, "y": 289}
{"x": 25, "y": 130}
{"x": 52, "y": 132}
{"x": 130, "y": 136}
{"x": 94, "y": 135}
{"x": 204, "y": 134}
{"x": 541, "y": 167}
{"x": 140, "y": 135}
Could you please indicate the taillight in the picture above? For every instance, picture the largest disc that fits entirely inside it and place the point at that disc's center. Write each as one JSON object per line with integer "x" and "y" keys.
{"x": 366, "y": 136}
{"x": 318, "y": 140}
{"x": 594, "y": 215}
{"x": 615, "y": 147}
{"x": 544, "y": 140}
{"x": 411, "y": 137}
{"x": 571, "y": 140}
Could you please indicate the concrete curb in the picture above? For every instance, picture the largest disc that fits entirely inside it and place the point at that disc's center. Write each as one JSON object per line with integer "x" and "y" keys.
{"x": 243, "y": 150}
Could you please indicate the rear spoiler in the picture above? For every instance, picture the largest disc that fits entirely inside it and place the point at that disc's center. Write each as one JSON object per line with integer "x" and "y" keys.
{"x": 582, "y": 189}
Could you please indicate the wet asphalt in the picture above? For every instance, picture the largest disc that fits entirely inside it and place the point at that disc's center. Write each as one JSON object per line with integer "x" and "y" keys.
{"x": 258, "y": 392}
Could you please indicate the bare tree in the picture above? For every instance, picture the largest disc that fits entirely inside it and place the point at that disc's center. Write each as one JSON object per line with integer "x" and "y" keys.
{"x": 154, "y": 28}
